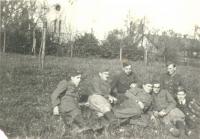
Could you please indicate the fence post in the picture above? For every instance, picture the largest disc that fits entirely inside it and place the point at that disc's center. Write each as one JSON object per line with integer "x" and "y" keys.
{"x": 120, "y": 53}
{"x": 71, "y": 51}
{"x": 146, "y": 56}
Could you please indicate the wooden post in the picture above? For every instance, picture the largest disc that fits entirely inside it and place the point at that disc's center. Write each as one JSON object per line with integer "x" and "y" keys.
{"x": 42, "y": 46}
{"x": 34, "y": 43}
{"x": 0, "y": 29}
{"x": 71, "y": 50}
{"x": 4, "y": 41}
{"x": 146, "y": 56}
{"x": 120, "y": 53}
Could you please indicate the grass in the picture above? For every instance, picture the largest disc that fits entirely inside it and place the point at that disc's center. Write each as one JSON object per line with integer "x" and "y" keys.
{"x": 25, "y": 92}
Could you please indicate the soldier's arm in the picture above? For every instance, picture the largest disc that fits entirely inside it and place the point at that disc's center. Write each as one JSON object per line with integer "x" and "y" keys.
{"x": 55, "y": 97}
{"x": 113, "y": 85}
{"x": 96, "y": 86}
{"x": 162, "y": 81}
{"x": 180, "y": 82}
{"x": 194, "y": 107}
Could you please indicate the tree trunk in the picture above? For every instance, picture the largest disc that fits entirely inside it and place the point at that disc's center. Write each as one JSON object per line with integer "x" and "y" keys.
{"x": 34, "y": 43}
{"x": 4, "y": 41}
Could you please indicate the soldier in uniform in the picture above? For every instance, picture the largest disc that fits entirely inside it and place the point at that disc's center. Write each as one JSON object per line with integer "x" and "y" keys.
{"x": 191, "y": 109}
{"x": 100, "y": 99}
{"x": 123, "y": 82}
{"x": 171, "y": 81}
{"x": 65, "y": 102}
{"x": 136, "y": 105}
{"x": 165, "y": 111}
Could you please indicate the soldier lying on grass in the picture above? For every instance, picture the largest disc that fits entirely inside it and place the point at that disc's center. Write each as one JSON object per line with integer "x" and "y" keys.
{"x": 136, "y": 105}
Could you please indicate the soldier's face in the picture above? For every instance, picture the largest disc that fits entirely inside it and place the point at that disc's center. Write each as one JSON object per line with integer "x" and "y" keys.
{"x": 76, "y": 79}
{"x": 127, "y": 69}
{"x": 181, "y": 95}
{"x": 104, "y": 75}
{"x": 171, "y": 69}
{"x": 147, "y": 88}
{"x": 156, "y": 88}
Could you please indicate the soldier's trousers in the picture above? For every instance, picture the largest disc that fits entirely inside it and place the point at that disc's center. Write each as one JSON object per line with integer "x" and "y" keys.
{"x": 72, "y": 118}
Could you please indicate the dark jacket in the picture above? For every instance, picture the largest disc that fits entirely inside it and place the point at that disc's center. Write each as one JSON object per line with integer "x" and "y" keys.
{"x": 121, "y": 82}
{"x": 163, "y": 100}
{"x": 65, "y": 96}
{"x": 191, "y": 109}
{"x": 171, "y": 83}
{"x": 130, "y": 107}
{"x": 99, "y": 86}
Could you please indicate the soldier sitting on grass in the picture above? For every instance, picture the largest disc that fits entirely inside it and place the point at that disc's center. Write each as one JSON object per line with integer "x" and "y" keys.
{"x": 165, "y": 111}
{"x": 191, "y": 109}
{"x": 171, "y": 80}
{"x": 100, "y": 99}
{"x": 65, "y": 102}
{"x": 123, "y": 81}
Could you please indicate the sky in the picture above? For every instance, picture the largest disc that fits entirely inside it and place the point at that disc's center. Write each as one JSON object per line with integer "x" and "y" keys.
{"x": 105, "y": 15}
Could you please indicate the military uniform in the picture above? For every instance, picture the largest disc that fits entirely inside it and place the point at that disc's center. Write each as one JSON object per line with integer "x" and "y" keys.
{"x": 171, "y": 83}
{"x": 191, "y": 109}
{"x": 130, "y": 108}
{"x": 100, "y": 91}
{"x": 164, "y": 101}
{"x": 66, "y": 97}
{"x": 121, "y": 82}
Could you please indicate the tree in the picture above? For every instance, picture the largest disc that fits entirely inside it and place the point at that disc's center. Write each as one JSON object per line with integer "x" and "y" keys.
{"x": 113, "y": 43}
{"x": 11, "y": 13}
{"x": 87, "y": 44}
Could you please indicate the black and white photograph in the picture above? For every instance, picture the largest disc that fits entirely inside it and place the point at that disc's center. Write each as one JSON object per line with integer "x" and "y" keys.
{"x": 99, "y": 69}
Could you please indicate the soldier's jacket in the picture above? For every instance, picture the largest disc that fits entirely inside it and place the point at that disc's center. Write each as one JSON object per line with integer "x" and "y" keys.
{"x": 163, "y": 100}
{"x": 130, "y": 107}
{"x": 99, "y": 86}
{"x": 191, "y": 109}
{"x": 171, "y": 83}
{"x": 121, "y": 82}
{"x": 65, "y": 96}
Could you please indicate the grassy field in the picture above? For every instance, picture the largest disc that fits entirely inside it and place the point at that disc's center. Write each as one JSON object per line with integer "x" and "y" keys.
{"x": 25, "y": 107}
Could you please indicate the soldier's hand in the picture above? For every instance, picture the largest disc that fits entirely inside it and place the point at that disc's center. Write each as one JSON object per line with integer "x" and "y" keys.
{"x": 153, "y": 118}
{"x": 140, "y": 104}
{"x": 155, "y": 113}
{"x": 56, "y": 110}
{"x": 162, "y": 113}
{"x": 133, "y": 85}
{"x": 112, "y": 99}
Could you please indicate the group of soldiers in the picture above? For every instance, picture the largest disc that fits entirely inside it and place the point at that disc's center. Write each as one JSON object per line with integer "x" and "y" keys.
{"x": 124, "y": 99}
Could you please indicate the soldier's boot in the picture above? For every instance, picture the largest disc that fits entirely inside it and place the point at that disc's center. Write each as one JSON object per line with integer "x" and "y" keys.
{"x": 80, "y": 122}
{"x": 181, "y": 127}
{"x": 110, "y": 116}
{"x": 112, "y": 124}
{"x": 67, "y": 134}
